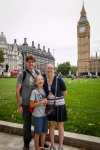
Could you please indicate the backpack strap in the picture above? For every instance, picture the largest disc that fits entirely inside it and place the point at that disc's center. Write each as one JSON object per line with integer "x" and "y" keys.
{"x": 24, "y": 74}
{"x": 43, "y": 96}
{"x": 37, "y": 72}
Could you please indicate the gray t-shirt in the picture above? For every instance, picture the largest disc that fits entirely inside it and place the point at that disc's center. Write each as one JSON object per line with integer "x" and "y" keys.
{"x": 27, "y": 86}
{"x": 39, "y": 111}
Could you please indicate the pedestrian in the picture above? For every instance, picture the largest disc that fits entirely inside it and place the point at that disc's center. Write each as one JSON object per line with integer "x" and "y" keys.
{"x": 24, "y": 88}
{"x": 43, "y": 74}
{"x": 60, "y": 109}
{"x": 38, "y": 101}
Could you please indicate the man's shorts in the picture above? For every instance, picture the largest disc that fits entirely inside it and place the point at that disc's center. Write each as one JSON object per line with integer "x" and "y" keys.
{"x": 40, "y": 124}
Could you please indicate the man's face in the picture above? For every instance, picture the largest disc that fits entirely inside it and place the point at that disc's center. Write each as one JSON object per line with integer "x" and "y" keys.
{"x": 30, "y": 64}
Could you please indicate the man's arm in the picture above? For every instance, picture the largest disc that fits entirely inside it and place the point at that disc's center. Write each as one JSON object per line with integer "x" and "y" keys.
{"x": 18, "y": 87}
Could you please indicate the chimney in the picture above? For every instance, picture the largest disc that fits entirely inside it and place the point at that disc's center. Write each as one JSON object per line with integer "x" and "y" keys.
{"x": 25, "y": 41}
{"x": 32, "y": 43}
{"x": 15, "y": 41}
{"x": 1, "y": 33}
{"x": 43, "y": 48}
{"x": 96, "y": 55}
{"x": 38, "y": 46}
{"x": 48, "y": 50}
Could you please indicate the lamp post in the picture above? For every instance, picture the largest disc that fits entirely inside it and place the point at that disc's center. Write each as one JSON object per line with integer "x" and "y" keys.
{"x": 53, "y": 52}
{"x": 24, "y": 54}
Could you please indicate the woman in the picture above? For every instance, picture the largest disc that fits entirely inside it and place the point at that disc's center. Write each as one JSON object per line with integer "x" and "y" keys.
{"x": 60, "y": 108}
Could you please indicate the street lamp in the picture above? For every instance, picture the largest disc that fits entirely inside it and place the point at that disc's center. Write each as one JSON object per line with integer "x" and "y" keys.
{"x": 53, "y": 52}
{"x": 24, "y": 54}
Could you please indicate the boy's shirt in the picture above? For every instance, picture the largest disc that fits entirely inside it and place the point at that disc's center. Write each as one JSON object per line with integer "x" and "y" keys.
{"x": 39, "y": 111}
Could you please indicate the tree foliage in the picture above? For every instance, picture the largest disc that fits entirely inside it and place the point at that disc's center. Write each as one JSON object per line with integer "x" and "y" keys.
{"x": 1, "y": 56}
{"x": 64, "y": 68}
{"x": 73, "y": 69}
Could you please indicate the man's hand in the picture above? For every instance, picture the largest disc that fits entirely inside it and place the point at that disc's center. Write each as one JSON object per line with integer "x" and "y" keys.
{"x": 20, "y": 110}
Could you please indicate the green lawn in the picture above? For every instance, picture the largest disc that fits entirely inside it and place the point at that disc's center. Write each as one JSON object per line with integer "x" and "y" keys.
{"x": 82, "y": 103}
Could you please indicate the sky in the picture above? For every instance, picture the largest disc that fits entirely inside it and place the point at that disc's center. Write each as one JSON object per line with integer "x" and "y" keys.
{"x": 50, "y": 23}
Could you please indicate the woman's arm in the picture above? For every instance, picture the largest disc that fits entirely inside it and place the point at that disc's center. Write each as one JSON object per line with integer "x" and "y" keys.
{"x": 64, "y": 93}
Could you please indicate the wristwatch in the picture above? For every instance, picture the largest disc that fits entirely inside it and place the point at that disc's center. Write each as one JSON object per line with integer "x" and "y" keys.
{"x": 19, "y": 105}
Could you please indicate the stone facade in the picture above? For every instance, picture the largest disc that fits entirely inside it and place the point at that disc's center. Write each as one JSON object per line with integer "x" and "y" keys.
{"x": 42, "y": 57}
{"x": 15, "y": 55}
{"x": 11, "y": 54}
{"x": 85, "y": 63}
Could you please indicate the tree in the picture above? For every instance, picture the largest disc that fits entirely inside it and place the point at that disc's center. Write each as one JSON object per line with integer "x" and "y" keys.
{"x": 1, "y": 56}
{"x": 64, "y": 68}
{"x": 73, "y": 69}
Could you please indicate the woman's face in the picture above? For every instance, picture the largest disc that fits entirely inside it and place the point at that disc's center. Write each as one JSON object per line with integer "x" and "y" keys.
{"x": 50, "y": 69}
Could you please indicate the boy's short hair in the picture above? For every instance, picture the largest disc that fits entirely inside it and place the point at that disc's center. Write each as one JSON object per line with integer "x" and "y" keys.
{"x": 30, "y": 56}
{"x": 36, "y": 78}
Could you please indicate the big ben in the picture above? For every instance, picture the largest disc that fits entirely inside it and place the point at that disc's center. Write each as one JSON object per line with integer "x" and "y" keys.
{"x": 83, "y": 38}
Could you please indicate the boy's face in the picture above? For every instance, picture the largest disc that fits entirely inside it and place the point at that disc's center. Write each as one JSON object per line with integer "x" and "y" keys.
{"x": 30, "y": 64}
{"x": 39, "y": 81}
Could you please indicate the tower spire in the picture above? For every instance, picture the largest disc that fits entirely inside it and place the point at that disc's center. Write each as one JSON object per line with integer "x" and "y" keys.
{"x": 83, "y": 9}
{"x": 83, "y": 14}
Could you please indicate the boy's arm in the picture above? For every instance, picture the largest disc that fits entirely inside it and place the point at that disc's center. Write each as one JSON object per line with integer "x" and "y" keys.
{"x": 35, "y": 104}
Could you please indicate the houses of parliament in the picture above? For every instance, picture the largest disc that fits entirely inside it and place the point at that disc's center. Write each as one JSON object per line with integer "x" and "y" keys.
{"x": 85, "y": 63}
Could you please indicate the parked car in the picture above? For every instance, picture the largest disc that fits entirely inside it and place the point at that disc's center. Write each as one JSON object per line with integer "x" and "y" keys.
{"x": 94, "y": 76}
{"x": 68, "y": 76}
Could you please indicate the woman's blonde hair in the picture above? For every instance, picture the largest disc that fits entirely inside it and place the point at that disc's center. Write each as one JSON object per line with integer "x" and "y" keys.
{"x": 50, "y": 64}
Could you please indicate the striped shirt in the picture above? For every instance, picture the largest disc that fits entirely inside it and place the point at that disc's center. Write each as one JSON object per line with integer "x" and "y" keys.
{"x": 51, "y": 98}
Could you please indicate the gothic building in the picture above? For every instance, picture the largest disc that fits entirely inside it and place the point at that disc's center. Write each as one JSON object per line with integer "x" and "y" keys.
{"x": 15, "y": 55}
{"x": 42, "y": 57}
{"x": 85, "y": 63}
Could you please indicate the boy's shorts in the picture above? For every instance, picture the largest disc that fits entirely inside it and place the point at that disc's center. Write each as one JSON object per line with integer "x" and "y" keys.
{"x": 40, "y": 124}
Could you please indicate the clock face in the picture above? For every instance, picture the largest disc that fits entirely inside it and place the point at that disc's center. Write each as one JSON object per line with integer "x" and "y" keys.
{"x": 82, "y": 29}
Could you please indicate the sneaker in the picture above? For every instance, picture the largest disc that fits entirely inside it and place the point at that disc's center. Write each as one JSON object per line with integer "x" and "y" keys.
{"x": 52, "y": 148}
{"x": 46, "y": 145}
{"x": 60, "y": 148}
{"x": 26, "y": 146}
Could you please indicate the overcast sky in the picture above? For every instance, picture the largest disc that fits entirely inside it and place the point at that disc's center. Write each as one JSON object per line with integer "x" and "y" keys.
{"x": 50, "y": 23}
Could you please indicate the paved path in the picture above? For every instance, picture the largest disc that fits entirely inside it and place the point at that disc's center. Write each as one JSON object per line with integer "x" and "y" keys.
{"x": 15, "y": 142}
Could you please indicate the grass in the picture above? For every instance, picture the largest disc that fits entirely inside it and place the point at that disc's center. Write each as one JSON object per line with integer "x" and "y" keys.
{"x": 82, "y": 104}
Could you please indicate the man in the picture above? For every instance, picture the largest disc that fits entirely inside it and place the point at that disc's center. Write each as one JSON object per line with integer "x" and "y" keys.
{"x": 23, "y": 90}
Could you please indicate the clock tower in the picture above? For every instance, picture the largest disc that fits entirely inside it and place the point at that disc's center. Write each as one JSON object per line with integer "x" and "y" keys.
{"x": 83, "y": 38}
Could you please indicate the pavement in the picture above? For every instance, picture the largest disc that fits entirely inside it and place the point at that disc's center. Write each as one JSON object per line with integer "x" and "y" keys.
{"x": 11, "y": 139}
{"x": 15, "y": 142}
